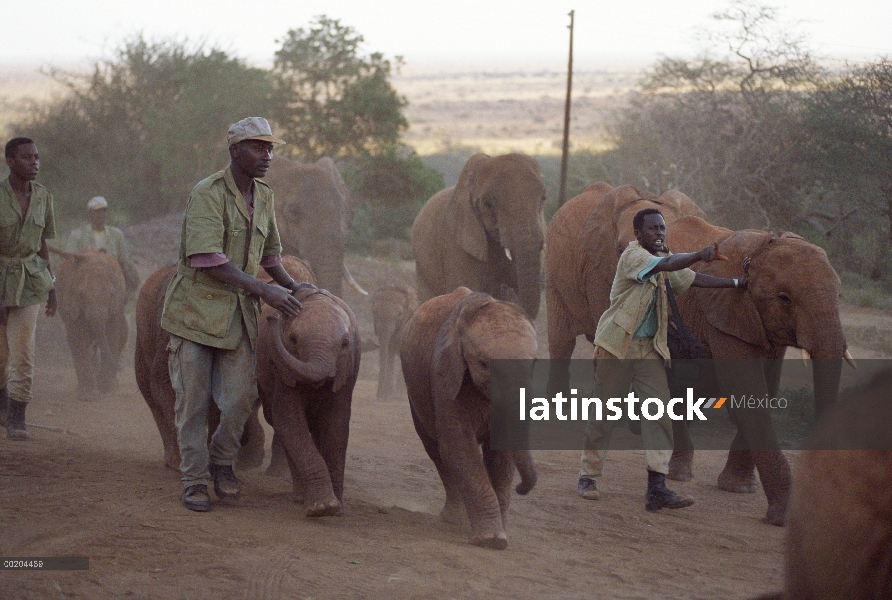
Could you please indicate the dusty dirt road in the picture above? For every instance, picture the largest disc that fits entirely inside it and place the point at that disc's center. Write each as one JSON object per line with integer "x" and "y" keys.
{"x": 95, "y": 486}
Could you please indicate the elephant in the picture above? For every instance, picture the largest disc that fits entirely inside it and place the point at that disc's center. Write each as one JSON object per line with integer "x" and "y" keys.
{"x": 306, "y": 371}
{"x": 313, "y": 214}
{"x": 92, "y": 294}
{"x": 839, "y": 526}
{"x": 392, "y": 305}
{"x": 782, "y": 307}
{"x": 486, "y": 233}
{"x": 153, "y": 379}
{"x": 445, "y": 352}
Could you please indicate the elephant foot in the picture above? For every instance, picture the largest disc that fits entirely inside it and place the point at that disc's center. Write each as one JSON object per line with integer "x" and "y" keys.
{"x": 172, "y": 461}
{"x": 453, "y": 512}
{"x": 497, "y": 540}
{"x": 324, "y": 508}
{"x": 737, "y": 483}
{"x": 776, "y": 514}
{"x": 680, "y": 466}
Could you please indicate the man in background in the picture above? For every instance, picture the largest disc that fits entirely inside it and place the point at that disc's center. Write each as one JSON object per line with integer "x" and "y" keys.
{"x": 26, "y": 223}
{"x": 96, "y": 235}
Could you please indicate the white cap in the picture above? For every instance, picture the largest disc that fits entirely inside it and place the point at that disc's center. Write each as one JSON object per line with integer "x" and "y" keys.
{"x": 96, "y": 203}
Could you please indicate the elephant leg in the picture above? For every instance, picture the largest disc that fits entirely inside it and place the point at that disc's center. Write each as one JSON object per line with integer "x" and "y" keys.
{"x": 774, "y": 473}
{"x": 682, "y": 461}
{"x": 561, "y": 343}
{"x": 739, "y": 474}
{"x": 250, "y": 456}
{"x": 500, "y": 469}
{"x": 330, "y": 428}
{"x": 453, "y": 510}
{"x": 81, "y": 355}
{"x": 278, "y": 463}
{"x": 292, "y": 427}
{"x": 461, "y": 454}
{"x": 385, "y": 371}
{"x": 162, "y": 405}
{"x": 297, "y": 486}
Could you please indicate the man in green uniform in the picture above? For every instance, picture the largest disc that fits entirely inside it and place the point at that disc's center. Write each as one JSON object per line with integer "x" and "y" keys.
{"x": 96, "y": 235}
{"x": 211, "y": 309}
{"x": 634, "y": 329}
{"x": 26, "y": 223}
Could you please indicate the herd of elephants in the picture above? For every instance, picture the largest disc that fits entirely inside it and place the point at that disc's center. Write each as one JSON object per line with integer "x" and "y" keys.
{"x": 482, "y": 252}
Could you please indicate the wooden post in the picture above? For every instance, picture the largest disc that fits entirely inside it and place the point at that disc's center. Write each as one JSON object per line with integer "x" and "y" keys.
{"x": 566, "y": 146}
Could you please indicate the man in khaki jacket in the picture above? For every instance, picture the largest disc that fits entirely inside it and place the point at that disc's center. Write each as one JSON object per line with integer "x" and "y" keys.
{"x": 211, "y": 309}
{"x": 634, "y": 329}
{"x": 96, "y": 235}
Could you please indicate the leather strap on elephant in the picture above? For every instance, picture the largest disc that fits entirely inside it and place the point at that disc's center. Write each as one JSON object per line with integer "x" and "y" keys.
{"x": 17, "y": 261}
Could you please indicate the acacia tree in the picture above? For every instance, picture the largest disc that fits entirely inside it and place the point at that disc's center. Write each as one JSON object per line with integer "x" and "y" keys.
{"x": 722, "y": 127}
{"x": 331, "y": 99}
{"x": 144, "y": 126}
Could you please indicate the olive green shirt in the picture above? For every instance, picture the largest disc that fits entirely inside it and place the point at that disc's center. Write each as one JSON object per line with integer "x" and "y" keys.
{"x": 25, "y": 278}
{"x": 631, "y": 296}
{"x": 197, "y": 306}
{"x": 83, "y": 239}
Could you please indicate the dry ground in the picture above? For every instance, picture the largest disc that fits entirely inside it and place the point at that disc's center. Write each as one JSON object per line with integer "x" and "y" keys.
{"x": 94, "y": 485}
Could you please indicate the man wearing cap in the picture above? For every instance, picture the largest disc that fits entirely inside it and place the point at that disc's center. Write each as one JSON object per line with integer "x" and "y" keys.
{"x": 96, "y": 235}
{"x": 211, "y": 309}
{"x": 26, "y": 223}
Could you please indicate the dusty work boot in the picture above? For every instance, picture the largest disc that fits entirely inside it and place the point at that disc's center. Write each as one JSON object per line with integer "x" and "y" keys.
{"x": 196, "y": 497}
{"x": 588, "y": 489}
{"x": 226, "y": 486}
{"x": 4, "y": 406}
{"x": 15, "y": 423}
{"x": 658, "y": 496}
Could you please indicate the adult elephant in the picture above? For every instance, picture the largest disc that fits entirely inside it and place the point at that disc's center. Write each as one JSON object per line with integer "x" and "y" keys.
{"x": 306, "y": 371}
{"x": 446, "y": 351}
{"x": 92, "y": 294}
{"x": 782, "y": 307}
{"x": 153, "y": 378}
{"x": 314, "y": 214}
{"x": 486, "y": 233}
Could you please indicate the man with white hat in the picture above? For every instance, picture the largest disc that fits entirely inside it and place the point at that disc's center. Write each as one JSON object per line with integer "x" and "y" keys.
{"x": 96, "y": 235}
{"x": 211, "y": 309}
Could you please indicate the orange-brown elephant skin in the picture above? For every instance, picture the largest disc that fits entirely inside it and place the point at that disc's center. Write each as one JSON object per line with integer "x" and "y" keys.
{"x": 486, "y": 233}
{"x": 392, "y": 305}
{"x": 782, "y": 307}
{"x": 153, "y": 379}
{"x": 92, "y": 294}
{"x": 445, "y": 351}
{"x": 839, "y": 524}
{"x": 306, "y": 371}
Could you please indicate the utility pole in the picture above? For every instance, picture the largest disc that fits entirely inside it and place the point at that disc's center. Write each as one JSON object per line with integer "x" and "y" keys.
{"x": 566, "y": 147}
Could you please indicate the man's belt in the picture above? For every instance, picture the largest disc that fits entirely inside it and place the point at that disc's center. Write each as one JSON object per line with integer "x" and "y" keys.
{"x": 199, "y": 276}
{"x": 17, "y": 261}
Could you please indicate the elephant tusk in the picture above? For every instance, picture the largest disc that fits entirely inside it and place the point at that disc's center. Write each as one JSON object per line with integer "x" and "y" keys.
{"x": 508, "y": 254}
{"x": 805, "y": 357}
{"x": 349, "y": 277}
{"x": 849, "y": 359}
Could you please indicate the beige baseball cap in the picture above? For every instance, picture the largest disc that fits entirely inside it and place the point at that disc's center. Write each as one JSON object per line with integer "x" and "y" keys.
{"x": 252, "y": 128}
{"x": 97, "y": 202}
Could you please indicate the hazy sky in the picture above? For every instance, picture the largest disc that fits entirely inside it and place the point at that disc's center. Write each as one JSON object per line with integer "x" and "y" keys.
{"x": 462, "y": 31}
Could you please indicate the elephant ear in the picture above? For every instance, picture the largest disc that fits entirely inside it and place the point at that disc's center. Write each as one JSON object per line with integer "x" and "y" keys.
{"x": 468, "y": 227}
{"x": 447, "y": 362}
{"x": 346, "y": 204}
{"x": 348, "y": 359}
{"x": 733, "y": 311}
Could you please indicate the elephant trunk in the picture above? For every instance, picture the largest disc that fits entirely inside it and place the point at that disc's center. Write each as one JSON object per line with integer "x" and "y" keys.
{"x": 311, "y": 372}
{"x": 329, "y": 271}
{"x": 827, "y": 368}
{"x": 523, "y": 459}
{"x": 528, "y": 267}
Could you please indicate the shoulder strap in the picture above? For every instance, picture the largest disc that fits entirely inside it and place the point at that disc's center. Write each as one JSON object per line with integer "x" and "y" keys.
{"x": 674, "y": 306}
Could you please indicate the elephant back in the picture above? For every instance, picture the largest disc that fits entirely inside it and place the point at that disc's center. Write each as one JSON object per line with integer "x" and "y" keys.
{"x": 87, "y": 281}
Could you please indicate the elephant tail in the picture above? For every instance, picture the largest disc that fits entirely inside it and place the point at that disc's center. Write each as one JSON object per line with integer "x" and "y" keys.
{"x": 523, "y": 459}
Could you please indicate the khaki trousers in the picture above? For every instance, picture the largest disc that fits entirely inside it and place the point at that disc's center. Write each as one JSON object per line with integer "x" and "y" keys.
{"x": 200, "y": 375}
{"x": 643, "y": 370}
{"x": 17, "y": 351}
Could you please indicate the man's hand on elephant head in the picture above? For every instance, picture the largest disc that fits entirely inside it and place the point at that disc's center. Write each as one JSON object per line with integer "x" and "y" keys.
{"x": 281, "y": 299}
{"x": 51, "y": 304}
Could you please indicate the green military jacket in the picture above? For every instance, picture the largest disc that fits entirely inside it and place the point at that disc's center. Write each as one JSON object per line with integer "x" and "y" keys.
{"x": 631, "y": 297}
{"x": 197, "y": 306}
{"x": 82, "y": 239}
{"x": 25, "y": 278}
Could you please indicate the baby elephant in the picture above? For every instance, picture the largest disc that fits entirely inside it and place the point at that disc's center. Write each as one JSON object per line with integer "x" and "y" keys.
{"x": 445, "y": 352}
{"x": 392, "y": 305}
{"x": 306, "y": 371}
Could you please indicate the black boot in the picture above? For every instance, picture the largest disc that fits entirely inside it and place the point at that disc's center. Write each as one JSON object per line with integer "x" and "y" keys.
{"x": 15, "y": 425}
{"x": 4, "y": 406}
{"x": 658, "y": 496}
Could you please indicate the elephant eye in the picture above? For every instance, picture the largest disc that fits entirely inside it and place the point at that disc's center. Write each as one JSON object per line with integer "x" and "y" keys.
{"x": 785, "y": 298}
{"x": 483, "y": 363}
{"x": 293, "y": 339}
